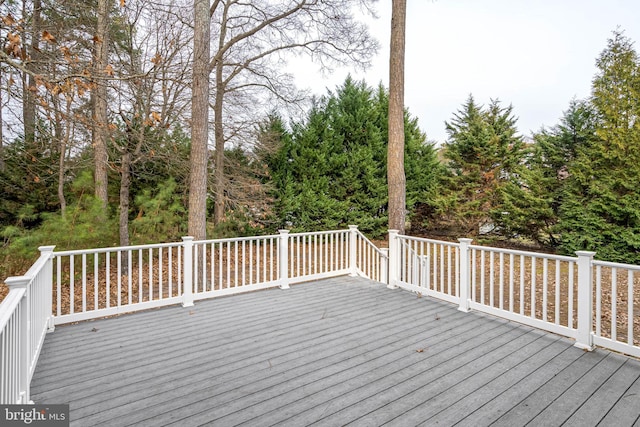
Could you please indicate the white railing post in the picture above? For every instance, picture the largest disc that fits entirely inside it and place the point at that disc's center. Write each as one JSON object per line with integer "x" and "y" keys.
{"x": 283, "y": 259}
{"x": 584, "y": 337}
{"x": 465, "y": 285}
{"x": 24, "y": 325}
{"x": 187, "y": 282}
{"x": 384, "y": 265}
{"x": 47, "y": 252}
{"x": 394, "y": 259}
{"x": 353, "y": 254}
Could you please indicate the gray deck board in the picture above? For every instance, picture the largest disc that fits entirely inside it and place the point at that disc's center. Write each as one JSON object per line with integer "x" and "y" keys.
{"x": 332, "y": 352}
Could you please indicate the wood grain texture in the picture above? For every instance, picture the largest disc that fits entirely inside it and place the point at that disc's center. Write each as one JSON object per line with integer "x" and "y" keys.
{"x": 332, "y": 352}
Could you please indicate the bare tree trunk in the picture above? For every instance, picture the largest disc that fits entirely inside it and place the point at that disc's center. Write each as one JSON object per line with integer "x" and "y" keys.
{"x": 199, "y": 122}
{"x": 2, "y": 164}
{"x": 220, "y": 184}
{"x": 125, "y": 185}
{"x": 62, "y": 135}
{"x": 395, "y": 155}
{"x": 29, "y": 97}
{"x": 61, "y": 166}
{"x": 100, "y": 125}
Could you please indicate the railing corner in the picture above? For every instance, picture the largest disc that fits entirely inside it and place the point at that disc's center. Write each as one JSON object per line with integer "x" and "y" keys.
{"x": 283, "y": 259}
{"x": 353, "y": 244}
{"x": 394, "y": 259}
{"x": 584, "y": 336}
{"x": 187, "y": 285}
{"x": 465, "y": 284}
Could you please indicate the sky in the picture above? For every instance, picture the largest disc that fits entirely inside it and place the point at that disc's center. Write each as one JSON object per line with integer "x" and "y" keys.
{"x": 536, "y": 55}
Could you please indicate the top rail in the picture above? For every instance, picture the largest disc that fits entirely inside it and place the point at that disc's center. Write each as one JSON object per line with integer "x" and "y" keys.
{"x": 317, "y": 233}
{"x": 523, "y": 253}
{"x": 236, "y": 239}
{"x": 116, "y": 249}
{"x": 632, "y": 267}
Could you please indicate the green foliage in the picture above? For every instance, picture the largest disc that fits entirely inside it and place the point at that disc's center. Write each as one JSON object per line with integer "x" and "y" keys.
{"x": 534, "y": 194}
{"x": 29, "y": 182}
{"x": 161, "y": 216}
{"x": 601, "y": 208}
{"x": 79, "y": 228}
{"x": 482, "y": 153}
{"x": 330, "y": 171}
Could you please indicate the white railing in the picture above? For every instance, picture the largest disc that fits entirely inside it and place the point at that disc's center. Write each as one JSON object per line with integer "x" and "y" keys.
{"x": 367, "y": 259}
{"x": 550, "y": 292}
{"x": 593, "y": 302}
{"x": 617, "y": 307}
{"x": 527, "y": 287}
{"x": 313, "y": 256}
{"x": 71, "y": 286}
{"x": 226, "y": 266}
{"x": 25, "y": 318}
{"x": 427, "y": 266}
{"x": 107, "y": 281}
{"x": 103, "y": 282}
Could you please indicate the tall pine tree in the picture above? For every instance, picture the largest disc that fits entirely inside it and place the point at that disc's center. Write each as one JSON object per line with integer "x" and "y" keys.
{"x": 331, "y": 172}
{"x": 482, "y": 151}
{"x": 601, "y": 207}
{"x": 534, "y": 194}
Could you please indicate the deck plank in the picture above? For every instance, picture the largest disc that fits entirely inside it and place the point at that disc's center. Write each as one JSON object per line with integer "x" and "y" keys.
{"x": 331, "y": 352}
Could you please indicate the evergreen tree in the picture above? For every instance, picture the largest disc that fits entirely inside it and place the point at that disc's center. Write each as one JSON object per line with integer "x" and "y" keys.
{"x": 601, "y": 207}
{"x": 482, "y": 153}
{"x": 331, "y": 171}
{"x": 533, "y": 195}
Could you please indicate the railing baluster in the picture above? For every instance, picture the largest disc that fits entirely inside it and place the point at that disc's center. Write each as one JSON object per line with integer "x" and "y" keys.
{"x": 140, "y": 282}
{"x": 150, "y": 279}
{"x": 545, "y": 287}
{"x": 315, "y": 253}
{"x": 271, "y": 258}
{"x": 599, "y": 300}
{"x": 160, "y": 272}
{"x": 228, "y": 264}
{"x": 235, "y": 253}
{"x": 442, "y": 256}
{"x": 179, "y": 251}
{"x": 129, "y": 278}
{"x": 474, "y": 263}
{"x": 214, "y": 271}
{"x": 482, "y": 278}
{"x": 511, "y": 281}
{"x": 96, "y": 292}
{"x": 220, "y": 265}
{"x": 84, "y": 282}
{"x": 614, "y": 303}
{"x": 630, "y": 301}
{"x": 242, "y": 250}
{"x": 170, "y": 261}
{"x": 304, "y": 248}
{"x": 59, "y": 286}
{"x": 449, "y": 270}
{"x": 119, "y": 264}
{"x": 533, "y": 286}
{"x": 557, "y": 294}
{"x": 251, "y": 281}
{"x": 570, "y": 296}
{"x": 203, "y": 257}
{"x": 491, "y": 278}
{"x": 72, "y": 292}
{"x": 501, "y": 293}
{"x": 522, "y": 267}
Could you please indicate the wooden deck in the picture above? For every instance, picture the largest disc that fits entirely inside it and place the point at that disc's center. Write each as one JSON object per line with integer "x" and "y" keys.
{"x": 331, "y": 352}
